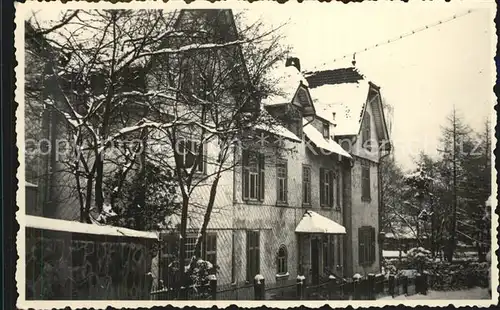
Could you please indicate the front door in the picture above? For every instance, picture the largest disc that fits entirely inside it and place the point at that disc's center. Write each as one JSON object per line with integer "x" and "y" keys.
{"x": 315, "y": 260}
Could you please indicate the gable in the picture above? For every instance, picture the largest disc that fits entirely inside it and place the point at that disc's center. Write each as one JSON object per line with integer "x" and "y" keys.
{"x": 375, "y": 107}
{"x": 209, "y": 26}
{"x": 291, "y": 88}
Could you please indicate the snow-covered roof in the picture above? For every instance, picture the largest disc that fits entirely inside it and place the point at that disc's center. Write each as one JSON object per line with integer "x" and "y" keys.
{"x": 83, "y": 228}
{"x": 327, "y": 144}
{"x": 28, "y": 184}
{"x": 289, "y": 79}
{"x": 278, "y": 130}
{"x": 346, "y": 100}
{"x": 392, "y": 254}
{"x": 401, "y": 232}
{"x": 312, "y": 222}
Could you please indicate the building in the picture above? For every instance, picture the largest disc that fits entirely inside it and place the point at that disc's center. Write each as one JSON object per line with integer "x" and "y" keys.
{"x": 354, "y": 105}
{"x": 313, "y": 212}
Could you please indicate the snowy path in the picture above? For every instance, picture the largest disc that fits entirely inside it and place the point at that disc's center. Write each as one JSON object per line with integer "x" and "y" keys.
{"x": 474, "y": 293}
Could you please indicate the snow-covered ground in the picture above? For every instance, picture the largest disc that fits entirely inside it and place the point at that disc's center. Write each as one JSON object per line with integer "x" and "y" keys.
{"x": 473, "y": 294}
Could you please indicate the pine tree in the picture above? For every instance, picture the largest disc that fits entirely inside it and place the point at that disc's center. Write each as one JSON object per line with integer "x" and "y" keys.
{"x": 456, "y": 145}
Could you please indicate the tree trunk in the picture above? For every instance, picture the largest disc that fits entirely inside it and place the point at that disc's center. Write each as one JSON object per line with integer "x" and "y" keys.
{"x": 182, "y": 242}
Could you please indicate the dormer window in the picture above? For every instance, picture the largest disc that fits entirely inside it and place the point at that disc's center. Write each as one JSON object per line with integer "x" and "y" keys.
{"x": 326, "y": 130}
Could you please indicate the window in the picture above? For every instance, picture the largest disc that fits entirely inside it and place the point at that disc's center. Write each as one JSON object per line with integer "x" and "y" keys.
{"x": 253, "y": 176}
{"x": 253, "y": 254}
{"x": 306, "y": 185}
{"x": 282, "y": 260}
{"x": 366, "y": 240}
{"x": 326, "y": 130}
{"x": 210, "y": 248}
{"x": 190, "y": 154}
{"x": 189, "y": 246}
{"x": 365, "y": 181}
{"x": 281, "y": 182}
{"x": 329, "y": 253}
{"x": 326, "y": 187}
{"x": 366, "y": 131}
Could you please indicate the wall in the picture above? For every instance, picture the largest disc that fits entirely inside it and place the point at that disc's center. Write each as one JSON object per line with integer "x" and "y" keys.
{"x": 276, "y": 223}
{"x": 365, "y": 213}
{"x": 63, "y": 262}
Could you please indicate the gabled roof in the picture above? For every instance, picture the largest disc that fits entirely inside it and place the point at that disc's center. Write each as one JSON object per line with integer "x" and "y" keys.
{"x": 333, "y": 76}
{"x": 326, "y": 144}
{"x": 289, "y": 81}
{"x": 345, "y": 93}
{"x": 291, "y": 86}
{"x": 223, "y": 29}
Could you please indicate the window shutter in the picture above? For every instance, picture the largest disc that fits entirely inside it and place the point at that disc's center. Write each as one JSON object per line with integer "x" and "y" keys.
{"x": 249, "y": 260}
{"x": 322, "y": 186}
{"x": 361, "y": 248}
{"x": 286, "y": 181}
{"x": 365, "y": 181}
{"x": 245, "y": 187}
{"x": 338, "y": 189}
{"x": 330, "y": 185}
{"x": 204, "y": 158}
{"x": 261, "y": 176}
{"x": 372, "y": 244}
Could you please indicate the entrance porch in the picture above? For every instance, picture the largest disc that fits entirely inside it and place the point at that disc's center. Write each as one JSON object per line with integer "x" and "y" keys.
{"x": 320, "y": 244}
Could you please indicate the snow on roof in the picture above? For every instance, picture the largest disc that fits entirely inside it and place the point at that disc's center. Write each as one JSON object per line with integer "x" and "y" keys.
{"x": 279, "y": 131}
{"x": 392, "y": 254}
{"x": 83, "y": 228}
{"x": 28, "y": 184}
{"x": 312, "y": 222}
{"x": 402, "y": 232}
{"x": 328, "y": 145}
{"x": 346, "y": 100}
{"x": 289, "y": 80}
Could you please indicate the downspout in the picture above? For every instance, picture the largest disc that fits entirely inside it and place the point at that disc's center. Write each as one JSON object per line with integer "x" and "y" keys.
{"x": 380, "y": 209}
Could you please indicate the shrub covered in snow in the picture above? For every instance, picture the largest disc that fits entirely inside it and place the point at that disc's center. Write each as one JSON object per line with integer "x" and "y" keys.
{"x": 419, "y": 258}
{"x": 446, "y": 276}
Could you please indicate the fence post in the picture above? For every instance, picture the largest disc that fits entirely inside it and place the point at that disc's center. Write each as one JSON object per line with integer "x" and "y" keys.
{"x": 259, "y": 287}
{"x": 213, "y": 286}
{"x": 425, "y": 284}
{"x": 379, "y": 283}
{"x": 300, "y": 286}
{"x": 183, "y": 293}
{"x": 418, "y": 283}
{"x": 332, "y": 281}
{"x": 371, "y": 286}
{"x": 391, "y": 284}
{"x": 356, "y": 286}
{"x": 404, "y": 279}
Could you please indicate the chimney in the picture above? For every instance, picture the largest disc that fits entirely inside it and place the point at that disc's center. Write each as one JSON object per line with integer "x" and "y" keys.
{"x": 293, "y": 61}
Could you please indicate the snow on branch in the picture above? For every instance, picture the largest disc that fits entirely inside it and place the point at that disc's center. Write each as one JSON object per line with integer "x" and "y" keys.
{"x": 192, "y": 47}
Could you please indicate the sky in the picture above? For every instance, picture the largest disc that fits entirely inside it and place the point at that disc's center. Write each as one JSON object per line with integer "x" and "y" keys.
{"x": 422, "y": 76}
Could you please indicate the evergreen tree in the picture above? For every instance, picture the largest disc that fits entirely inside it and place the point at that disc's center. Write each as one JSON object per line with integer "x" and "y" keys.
{"x": 456, "y": 147}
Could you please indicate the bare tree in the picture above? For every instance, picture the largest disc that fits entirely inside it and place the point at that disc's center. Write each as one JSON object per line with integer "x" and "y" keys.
{"x": 169, "y": 84}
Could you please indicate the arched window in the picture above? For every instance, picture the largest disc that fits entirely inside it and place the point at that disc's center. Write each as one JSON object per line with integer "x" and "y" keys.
{"x": 282, "y": 260}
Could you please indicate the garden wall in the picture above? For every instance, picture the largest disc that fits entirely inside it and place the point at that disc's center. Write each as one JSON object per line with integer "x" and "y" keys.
{"x": 70, "y": 260}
